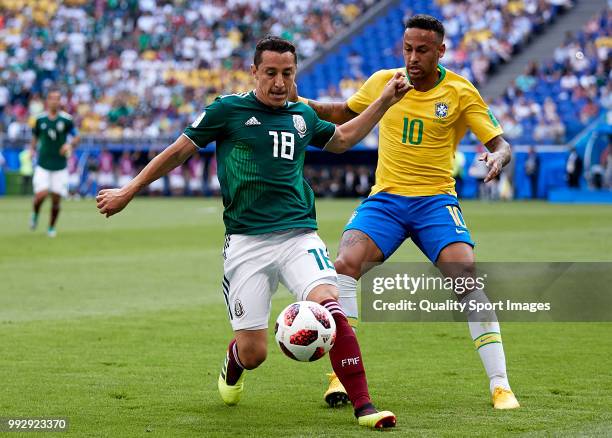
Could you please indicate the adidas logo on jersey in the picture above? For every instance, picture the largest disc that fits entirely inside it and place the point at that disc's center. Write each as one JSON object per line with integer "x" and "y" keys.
{"x": 252, "y": 122}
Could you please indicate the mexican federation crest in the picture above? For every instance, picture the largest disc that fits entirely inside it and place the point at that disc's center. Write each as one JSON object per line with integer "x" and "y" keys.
{"x": 300, "y": 125}
{"x": 441, "y": 110}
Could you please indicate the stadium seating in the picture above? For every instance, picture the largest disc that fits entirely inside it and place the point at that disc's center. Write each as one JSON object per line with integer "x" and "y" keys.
{"x": 144, "y": 67}
{"x": 480, "y": 35}
{"x": 549, "y": 104}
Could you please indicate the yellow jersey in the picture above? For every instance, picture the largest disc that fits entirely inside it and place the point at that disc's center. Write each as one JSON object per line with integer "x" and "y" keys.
{"x": 419, "y": 134}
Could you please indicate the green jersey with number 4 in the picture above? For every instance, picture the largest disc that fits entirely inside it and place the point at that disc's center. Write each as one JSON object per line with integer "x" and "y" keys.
{"x": 260, "y": 161}
{"x": 52, "y": 134}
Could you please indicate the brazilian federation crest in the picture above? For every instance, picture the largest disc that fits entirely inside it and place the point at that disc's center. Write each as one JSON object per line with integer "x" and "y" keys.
{"x": 300, "y": 125}
{"x": 441, "y": 110}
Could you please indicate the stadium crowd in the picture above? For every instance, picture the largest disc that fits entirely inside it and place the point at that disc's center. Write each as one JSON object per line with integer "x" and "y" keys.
{"x": 136, "y": 68}
{"x": 551, "y": 101}
{"x": 482, "y": 34}
{"x": 144, "y": 68}
{"x": 554, "y": 100}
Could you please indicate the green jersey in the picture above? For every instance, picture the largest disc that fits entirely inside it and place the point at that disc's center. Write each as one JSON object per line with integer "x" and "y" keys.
{"x": 260, "y": 161}
{"x": 52, "y": 134}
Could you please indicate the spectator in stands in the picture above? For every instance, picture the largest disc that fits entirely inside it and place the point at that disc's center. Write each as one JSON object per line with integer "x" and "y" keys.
{"x": 532, "y": 170}
{"x": 512, "y": 129}
{"x": 588, "y": 111}
{"x": 548, "y": 131}
{"x": 18, "y": 128}
{"x": 573, "y": 169}
{"x": 522, "y": 109}
{"x": 527, "y": 81}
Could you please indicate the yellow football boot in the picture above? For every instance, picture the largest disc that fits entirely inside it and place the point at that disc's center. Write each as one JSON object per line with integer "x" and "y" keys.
{"x": 378, "y": 420}
{"x": 504, "y": 399}
{"x": 336, "y": 394}
{"x": 230, "y": 394}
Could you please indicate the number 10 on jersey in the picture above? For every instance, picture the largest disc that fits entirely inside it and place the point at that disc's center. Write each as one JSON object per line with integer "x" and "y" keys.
{"x": 287, "y": 144}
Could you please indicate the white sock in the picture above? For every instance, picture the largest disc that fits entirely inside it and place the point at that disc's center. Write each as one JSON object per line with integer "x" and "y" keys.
{"x": 347, "y": 297}
{"x": 486, "y": 335}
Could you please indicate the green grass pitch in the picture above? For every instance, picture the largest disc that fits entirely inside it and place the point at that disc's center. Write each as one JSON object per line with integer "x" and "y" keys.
{"x": 119, "y": 324}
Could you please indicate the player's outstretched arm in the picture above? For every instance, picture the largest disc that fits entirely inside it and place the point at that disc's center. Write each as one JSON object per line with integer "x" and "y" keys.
{"x": 335, "y": 112}
{"x": 498, "y": 156}
{"x": 353, "y": 131}
{"x": 112, "y": 201}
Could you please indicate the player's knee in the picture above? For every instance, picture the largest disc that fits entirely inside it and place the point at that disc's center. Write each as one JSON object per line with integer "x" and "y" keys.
{"x": 252, "y": 355}
{"x": 323, "y": 292}
{"x": 347, "y": 265}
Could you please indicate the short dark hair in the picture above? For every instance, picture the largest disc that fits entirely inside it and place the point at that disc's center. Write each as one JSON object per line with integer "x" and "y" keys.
{"x": 274, "y": 44}
{"x": 426, "y": 22}
{"x": 53, "y": 89}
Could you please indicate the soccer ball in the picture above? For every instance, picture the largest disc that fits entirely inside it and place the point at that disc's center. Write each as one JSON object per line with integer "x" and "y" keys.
{"x": 305, "y": 331}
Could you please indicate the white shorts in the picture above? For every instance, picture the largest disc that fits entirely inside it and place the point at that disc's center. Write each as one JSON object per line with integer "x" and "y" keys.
{"x": 254, "y": 265}
{"x": 106, "y": 179}
{"x": 54, "y": 181}
{"x": 176, "y": 182}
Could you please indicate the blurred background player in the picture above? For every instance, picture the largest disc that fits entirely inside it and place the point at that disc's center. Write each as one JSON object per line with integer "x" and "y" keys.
{"x": 269, "y": 215}
{"x": 56, "y": 136}
{"x": 195, "y": 168}
{"x": 414, "y": 195}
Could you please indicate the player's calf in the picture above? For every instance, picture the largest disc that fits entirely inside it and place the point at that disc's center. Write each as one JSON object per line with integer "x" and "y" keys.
{"x": 347, "y": 362}
{"x": 246, "y": 352}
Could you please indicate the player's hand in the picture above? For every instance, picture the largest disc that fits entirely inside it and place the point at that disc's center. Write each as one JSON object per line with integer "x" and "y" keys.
{"x": 66, "y": 150}
{"x": 293, "y": 93}
{"x": 396, "y": 89}
{"x": 112, "y": 201}
{"x": 495, "y": 163}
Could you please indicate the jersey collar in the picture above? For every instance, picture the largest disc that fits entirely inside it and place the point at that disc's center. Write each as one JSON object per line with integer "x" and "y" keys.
{"x": 442, "y": 72}
{"x": 252, "y": 93}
